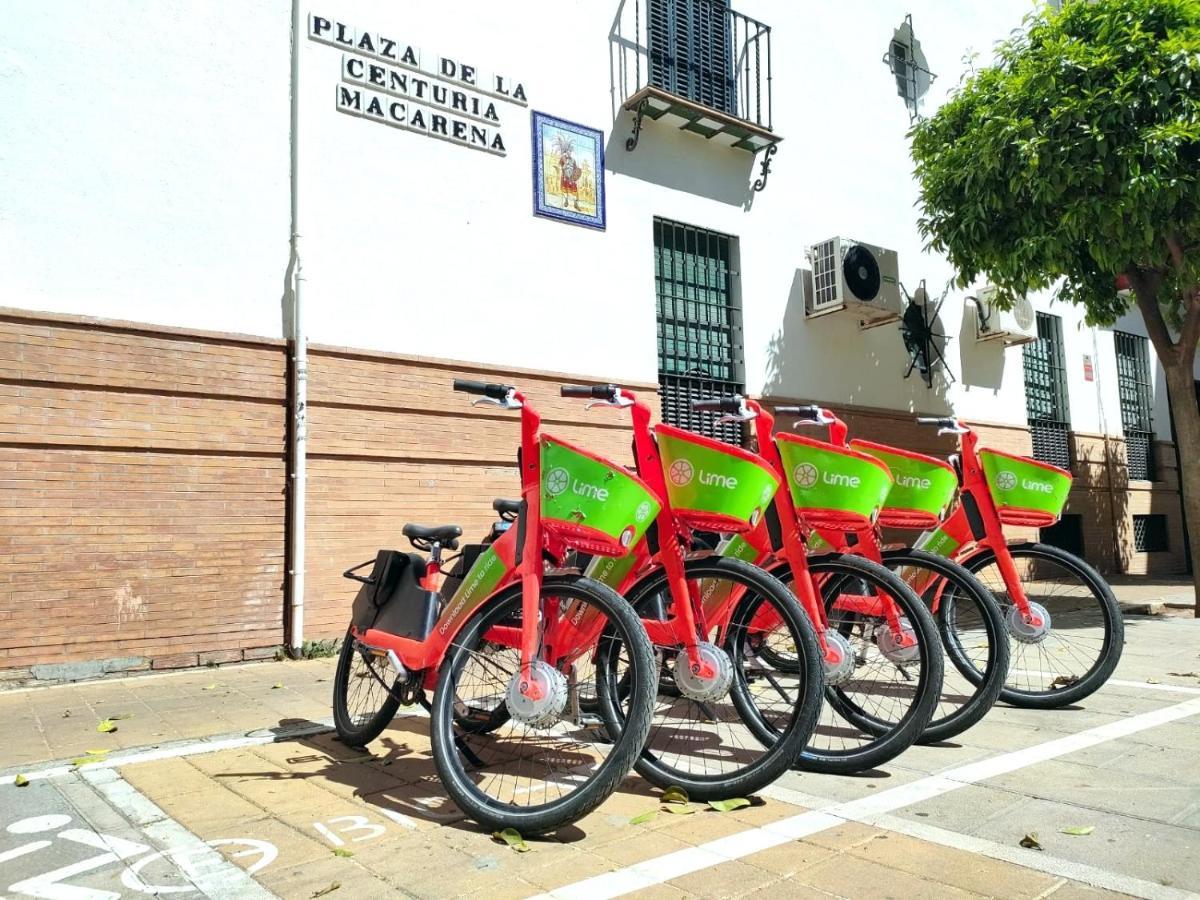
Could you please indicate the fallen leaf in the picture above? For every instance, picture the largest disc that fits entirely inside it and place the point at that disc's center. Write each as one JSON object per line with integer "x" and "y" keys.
{"x": 20, "y": 781}
{"x": 209, "y": 687}
{"x": 66, "y": 714}
{"x": 1185, "y": 674}
{"x": 643, "y": 818}
{"x": 1030, "y": 841}
{"x": 1153, "y": 681}
{"x": 97, "y": 752}
{"x": 342, "y": 851}
{"x": 676, "y": 810}
{"x": 1080, "y": 830}
{"x": 728, "y": 805}
{"x": 333, "y": 886}
{"x": 513, "y": 838}
{"x": 277, "y": 685}
{"x": 108, "y": 726}
{"x": 675, "y": 794}
{"x": 1063, "y": 681}
{"x": 85, "y": 760}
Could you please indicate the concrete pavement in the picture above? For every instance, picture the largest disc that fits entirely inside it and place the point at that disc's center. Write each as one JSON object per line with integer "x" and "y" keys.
{"x": 213, "y": 773}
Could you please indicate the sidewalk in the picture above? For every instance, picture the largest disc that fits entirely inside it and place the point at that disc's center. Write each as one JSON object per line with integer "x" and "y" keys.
{"x": 58, "y": 722}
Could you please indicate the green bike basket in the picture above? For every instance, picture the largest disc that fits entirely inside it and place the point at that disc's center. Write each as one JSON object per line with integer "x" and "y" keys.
{"x": 833, "y": 487}
{"x": 591, "y": 504}
{"x": 1025, "y": 491}
{"x": 922, "y": 489}
{"x": 711, "y": 485}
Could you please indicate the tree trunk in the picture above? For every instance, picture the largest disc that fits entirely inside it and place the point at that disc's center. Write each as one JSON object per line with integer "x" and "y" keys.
{"x": 1181, "y": 392}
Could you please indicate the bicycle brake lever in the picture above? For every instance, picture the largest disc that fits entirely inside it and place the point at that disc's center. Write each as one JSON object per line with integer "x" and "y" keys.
{"x": 619, "y": 403}
{"x": 506, "y": 403}
{"x": 730, "y": 417}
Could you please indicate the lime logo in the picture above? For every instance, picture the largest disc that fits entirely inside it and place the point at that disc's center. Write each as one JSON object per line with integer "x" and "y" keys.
{"x": 805, "y": 475}
{"x": 642, "y": 511}
{"x": 557, "y": 481}
{"x": 1040, "y": 486}
{"x": 681, "y": 472}
{"x": 1006, "y": 480}
{"x": 913, "y": 481}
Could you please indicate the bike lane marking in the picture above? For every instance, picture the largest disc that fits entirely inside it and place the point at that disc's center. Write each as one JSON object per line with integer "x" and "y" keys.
{"x": 662, "y": 869}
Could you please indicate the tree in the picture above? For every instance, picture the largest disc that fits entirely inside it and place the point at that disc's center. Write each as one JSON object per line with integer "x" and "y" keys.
{"x": 1073, "y": 160}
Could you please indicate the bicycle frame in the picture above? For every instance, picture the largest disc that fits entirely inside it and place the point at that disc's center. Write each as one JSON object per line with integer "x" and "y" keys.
{"x": 973, "y": 526}
{"x": 517, "y": 554}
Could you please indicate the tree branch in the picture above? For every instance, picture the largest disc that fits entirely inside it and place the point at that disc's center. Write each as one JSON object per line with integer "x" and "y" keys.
{"x": 1146, "y": 283}
{"x": 1176, "y": 251}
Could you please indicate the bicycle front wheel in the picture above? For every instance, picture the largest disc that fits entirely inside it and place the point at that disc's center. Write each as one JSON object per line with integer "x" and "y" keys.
{"x": 883, "y": 695}
{"x": 1079, "y": 641}
{"x": 536, "y": 767}
{"x": 738, "y": 731}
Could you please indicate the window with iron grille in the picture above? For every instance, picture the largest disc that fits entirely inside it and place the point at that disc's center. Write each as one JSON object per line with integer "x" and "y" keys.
{"x": 1150, "y": 533}
{"x": 700, "y": 351}
{"x": 691, "y": 51}
{"x": 1046, "y": 394}
{"x": 1137, "y": 393}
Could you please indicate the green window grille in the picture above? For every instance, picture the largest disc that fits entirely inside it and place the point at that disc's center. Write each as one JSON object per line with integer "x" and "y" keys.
{"x": 1046, "y": 394}
{"x": 1137, "y": 398}
{"x": 691, "y": 51}
{"x": 700, "y": 349}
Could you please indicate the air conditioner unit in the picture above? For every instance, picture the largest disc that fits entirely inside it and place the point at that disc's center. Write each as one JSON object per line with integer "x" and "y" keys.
{"x": 1009, "y": 326}
{"x": 857, "y": 277}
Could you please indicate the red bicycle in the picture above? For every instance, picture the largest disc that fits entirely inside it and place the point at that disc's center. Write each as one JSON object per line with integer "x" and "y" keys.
{"x": 1064, "y": 624}
{"x": 541, "y": 766}
{"x": 725, "y": 724}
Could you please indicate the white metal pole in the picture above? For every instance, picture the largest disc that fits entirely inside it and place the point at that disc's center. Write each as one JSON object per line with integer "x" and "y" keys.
{"x": 299, "y": 392}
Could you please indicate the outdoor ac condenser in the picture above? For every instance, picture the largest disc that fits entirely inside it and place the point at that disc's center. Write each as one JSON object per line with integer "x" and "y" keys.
{"x": 860, "y": 278}
{"x": 1009, "y": 326}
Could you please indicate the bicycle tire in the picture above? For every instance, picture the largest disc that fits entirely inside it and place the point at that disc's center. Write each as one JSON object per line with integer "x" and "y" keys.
{"x": 781, "y": 746}
{"x": 360, "y": 734}
{"x": 1111, "y": 646}
{"x": 954, "y": 590}
{"x": 628, "y": 736}
{"x": 887, "y": 739}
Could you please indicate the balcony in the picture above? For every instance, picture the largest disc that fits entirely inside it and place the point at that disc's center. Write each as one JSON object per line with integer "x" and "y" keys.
{"x": 697, "y": 65}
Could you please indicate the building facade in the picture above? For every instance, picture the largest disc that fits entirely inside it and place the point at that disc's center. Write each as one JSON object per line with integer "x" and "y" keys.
{"x": 444, "y": 169}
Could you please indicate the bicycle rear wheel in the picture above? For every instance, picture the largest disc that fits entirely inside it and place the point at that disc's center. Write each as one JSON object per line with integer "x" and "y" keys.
{"x": 972, "y": 634}
{"x": 364, "y": 694}
{"x": 535, "y": 768}
{"x": 883, "y": 699}
{"x": 1078, "y": 645}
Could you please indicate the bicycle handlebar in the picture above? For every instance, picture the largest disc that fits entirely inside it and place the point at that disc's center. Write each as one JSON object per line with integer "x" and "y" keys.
{"x": 804, "y": 413}
{"x": 492, "y": 391}
{"x": 729, "y": 405}
{"x": 592, "y": 391}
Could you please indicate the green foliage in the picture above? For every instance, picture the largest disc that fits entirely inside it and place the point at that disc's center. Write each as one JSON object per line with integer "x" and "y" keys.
{"x": 1075, "y": 156}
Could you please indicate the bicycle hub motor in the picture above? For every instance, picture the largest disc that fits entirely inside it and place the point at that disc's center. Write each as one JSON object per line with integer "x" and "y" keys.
{"x": 541, "y": 706}
{"x": 839, "y": 658}
{"x": 898, "y": 648}
{"x": 1031, "y": 629}
{"x": 701, "y": 687}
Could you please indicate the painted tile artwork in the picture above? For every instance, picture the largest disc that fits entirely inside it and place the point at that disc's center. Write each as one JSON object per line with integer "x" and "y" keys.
{"x": 568, "y": 171}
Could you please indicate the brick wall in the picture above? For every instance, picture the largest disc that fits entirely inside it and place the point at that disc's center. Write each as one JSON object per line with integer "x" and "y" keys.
{"x": 142, "y": 484}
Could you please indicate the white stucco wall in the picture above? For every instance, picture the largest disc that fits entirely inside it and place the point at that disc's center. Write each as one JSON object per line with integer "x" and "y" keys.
{"x": 144, "y": 161}
{"x": 156, "y": 189}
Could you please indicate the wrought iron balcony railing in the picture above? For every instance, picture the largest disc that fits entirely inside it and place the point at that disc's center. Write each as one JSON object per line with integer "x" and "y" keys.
{"x": 698, "y": 61}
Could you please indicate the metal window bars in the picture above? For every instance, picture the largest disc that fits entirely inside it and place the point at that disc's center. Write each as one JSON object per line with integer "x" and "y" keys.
{"x": 1150, "y": 533}
{"x": 1046, "y": 404}
{"x": 700, "y": 344}
{"x": 1137, "y": 401}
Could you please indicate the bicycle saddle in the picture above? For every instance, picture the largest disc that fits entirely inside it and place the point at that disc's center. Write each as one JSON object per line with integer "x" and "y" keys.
{"x": 433, "y": 534}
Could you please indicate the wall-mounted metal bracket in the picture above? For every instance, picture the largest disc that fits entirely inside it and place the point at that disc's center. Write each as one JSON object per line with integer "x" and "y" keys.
{"x": 761, "y": 181}
{"x": 631, "y": 142}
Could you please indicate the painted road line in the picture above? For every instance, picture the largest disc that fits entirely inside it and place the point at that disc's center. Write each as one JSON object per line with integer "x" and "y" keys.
{"x": 1118, "y": 682}
{"x": 1038, "y": 862}
{"x": 177, "y": 750}
{"x": 736, "y": 846}
{"x": 211, "y": 874}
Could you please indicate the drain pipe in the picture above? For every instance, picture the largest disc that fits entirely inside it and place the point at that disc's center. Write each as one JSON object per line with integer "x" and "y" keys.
{"x": 299, "y": 370}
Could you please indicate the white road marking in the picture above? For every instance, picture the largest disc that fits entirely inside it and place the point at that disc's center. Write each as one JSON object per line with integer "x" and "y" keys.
{"x": 1039, "y": 862}
{"x": 212, "y": 875}
{"x": 175, "y": 751}
{"x": 736, "y": 846}
{"x": 1119, "y": 682}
